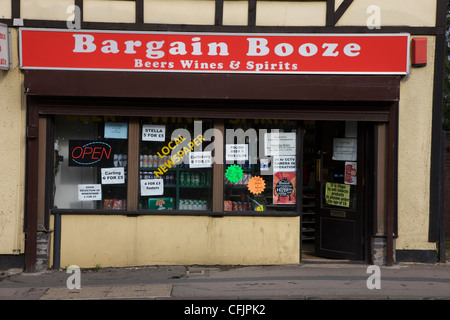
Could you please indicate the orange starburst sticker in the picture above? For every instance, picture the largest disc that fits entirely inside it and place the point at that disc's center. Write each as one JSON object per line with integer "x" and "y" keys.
{"x": 256, "y": 185}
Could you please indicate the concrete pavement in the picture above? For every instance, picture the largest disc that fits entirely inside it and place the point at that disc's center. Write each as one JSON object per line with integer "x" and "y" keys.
{"x": 309, "y": 281}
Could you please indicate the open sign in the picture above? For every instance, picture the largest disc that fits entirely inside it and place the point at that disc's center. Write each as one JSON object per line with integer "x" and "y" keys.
{"x": 90, "y": 153}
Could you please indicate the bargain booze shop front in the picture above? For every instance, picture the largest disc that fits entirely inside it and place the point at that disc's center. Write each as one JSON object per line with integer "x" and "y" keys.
{"x": 170, "y": 143}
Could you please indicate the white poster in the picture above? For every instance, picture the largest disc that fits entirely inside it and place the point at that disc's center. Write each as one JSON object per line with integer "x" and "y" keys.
{"x": 280, "y": 144}
{"x": 89, "y": 192}
{"x": 200, "y": 159}
{"x": 344, "y": 149}
{"x": 116, "y": 130}
{"x": 284, "y": 164}
{"x": 152, "y": 187}
{"x": 152, "y": 132}
{"x": 5, "y": 48}
{"x": 236, "y": 152}
{"x": 113, "y": 175}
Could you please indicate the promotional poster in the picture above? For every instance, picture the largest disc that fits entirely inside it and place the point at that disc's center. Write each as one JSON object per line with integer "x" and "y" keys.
{"x": 284, "y": 188}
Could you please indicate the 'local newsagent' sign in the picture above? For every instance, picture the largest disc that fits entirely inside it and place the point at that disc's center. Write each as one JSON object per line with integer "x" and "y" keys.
{"x": 214, "y": 52}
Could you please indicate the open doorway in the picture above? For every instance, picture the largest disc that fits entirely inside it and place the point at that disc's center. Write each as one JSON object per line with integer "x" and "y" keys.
{"x": 333, "y": 186}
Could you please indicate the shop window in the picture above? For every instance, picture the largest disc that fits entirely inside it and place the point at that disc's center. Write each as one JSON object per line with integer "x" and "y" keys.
{"x": 90, "y": 162}
{"x": 175, "y": 165}
{"x": 260, "y": 169}
{"x": 185, "y": 164}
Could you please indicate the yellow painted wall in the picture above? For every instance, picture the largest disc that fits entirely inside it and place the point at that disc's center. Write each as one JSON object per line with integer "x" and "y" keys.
{"x": 268, "y": 13}
{"x": 235, "y": 13}
{"x": 313, "y": 13}
{"x": 286, "y": 13}
{"x": 414, "y": 155}
{"x": 109, "y": 11}
{"x": 179, "y": 11}
{"x": 5, "y": 9}
{"x": 46, "y": 9}
{"x": 176, "y": 240}
{"x": 392, "y": 12}
{"x": 12, "y": 157}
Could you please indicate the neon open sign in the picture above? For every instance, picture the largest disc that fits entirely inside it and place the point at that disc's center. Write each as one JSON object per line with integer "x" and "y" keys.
{"x": 89, "y": 153}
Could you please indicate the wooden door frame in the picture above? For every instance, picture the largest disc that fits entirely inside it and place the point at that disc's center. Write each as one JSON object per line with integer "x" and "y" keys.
{"x": 363, "y": 209}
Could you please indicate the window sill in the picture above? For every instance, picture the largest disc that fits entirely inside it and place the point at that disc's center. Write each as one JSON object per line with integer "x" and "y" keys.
{"x": 175, "y": 213}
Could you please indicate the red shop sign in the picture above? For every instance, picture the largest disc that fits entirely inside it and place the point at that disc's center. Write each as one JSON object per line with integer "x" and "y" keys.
{"x": 214, "y": 52}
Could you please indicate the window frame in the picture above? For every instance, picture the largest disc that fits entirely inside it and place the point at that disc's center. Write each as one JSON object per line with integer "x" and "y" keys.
{"x": 96, "y": 125}
{"x": 132, "y": 209}
{"x": 40, "y": 104}
{"x": 178, "y": 187}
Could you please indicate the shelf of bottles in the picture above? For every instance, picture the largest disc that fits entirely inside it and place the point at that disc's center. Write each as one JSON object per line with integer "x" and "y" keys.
{"x": 308, "y": 221}
{"x": 182, "y": 183}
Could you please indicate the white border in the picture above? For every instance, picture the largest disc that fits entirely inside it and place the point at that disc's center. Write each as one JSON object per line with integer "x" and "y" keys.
{"x": 224, "y": 34}
{"x": 9, "y": 48}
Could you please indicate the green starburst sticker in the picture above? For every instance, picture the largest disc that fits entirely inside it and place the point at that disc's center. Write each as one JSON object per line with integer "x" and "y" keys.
{"x": 234, "y": 173}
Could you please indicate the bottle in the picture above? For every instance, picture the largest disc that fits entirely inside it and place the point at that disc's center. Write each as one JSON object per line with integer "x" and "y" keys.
{"x": 196, "y": 179}
{"x": 182, "y": 178}
{"x": 202, "y": 178}
{"x": 145, "y": 161}
{"x": 188, "y": 178}
{"x": 151, "y": 161}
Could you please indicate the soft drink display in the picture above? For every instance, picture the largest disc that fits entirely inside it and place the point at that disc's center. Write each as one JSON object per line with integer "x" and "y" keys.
{"x": 193, "y": 178}
{"x": 187, "y": 204}
{"x": 186, "y": 177}
{"x": 240, "y": 206}
{"x": 169, "y": 178}
{"x": 151, "y": 161}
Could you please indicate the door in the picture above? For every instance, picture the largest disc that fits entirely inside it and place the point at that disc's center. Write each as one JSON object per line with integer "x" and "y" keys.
{"x": 339, "y": 190}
